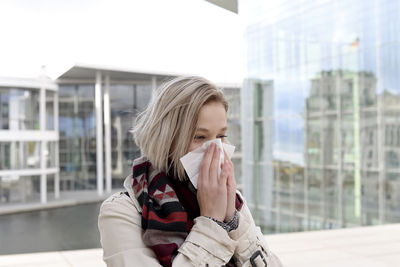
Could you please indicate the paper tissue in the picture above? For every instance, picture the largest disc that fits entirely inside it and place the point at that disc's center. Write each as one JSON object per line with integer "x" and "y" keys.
{"x": 192, "y": 160}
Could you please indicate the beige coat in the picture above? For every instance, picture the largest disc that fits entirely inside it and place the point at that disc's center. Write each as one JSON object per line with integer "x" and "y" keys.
{"x": 207, "y": 244}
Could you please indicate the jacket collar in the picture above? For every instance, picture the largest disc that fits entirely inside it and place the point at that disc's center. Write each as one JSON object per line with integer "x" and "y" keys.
{"x": 128, "y": 187}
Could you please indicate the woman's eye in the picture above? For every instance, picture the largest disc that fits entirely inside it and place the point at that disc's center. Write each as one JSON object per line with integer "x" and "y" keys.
{"x": 201, "y": 137}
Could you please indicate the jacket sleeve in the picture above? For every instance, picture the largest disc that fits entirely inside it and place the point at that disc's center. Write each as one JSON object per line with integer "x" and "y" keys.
{"x": 119, "y": 224}
{"x": 252, "y": 250}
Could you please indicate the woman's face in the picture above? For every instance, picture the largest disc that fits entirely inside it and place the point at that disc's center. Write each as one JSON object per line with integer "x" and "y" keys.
{"x": 211, "y": 124}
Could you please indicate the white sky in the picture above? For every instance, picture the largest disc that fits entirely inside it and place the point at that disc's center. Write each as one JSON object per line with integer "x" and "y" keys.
{"x": 181, "y": 36}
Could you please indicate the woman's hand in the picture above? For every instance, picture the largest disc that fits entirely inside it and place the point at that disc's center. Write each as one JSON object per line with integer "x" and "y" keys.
{"x": 228, "y": 171}
{"x": 212, "y": 191}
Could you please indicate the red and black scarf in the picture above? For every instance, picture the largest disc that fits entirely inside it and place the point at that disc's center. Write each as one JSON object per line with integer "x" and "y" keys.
{"x": 169, "y": 207}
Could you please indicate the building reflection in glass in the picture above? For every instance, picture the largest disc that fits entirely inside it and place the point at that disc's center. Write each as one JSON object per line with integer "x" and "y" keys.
{"x": 336, "y": 111}
{"x": 77, "y": 137}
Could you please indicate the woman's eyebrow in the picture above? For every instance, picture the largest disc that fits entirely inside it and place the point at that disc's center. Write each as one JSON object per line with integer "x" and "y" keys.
{"x": 202, "y": 129}
{"x": 206, "y": 130}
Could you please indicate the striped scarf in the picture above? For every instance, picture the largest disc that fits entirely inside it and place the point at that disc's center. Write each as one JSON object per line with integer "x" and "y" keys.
{"x": 169, "y": 207}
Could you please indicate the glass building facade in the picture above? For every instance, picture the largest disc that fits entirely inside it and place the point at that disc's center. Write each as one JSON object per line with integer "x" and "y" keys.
{"x": 97, "y": 110}
{"x": 78, "y": 132}
{"x": 129, "y": 94}
{"x": 69, "y": 138}
{"x": 321, "y": 113}
{"x": 77, "y": 137}
{"x": 234, "y": 132}
{"x": 28, "y": 140}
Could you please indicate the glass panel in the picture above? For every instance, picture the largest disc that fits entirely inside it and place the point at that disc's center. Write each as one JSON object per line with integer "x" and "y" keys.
{"x": 346, "y": 93}
{"x": 4, "y": 108}
{"x": 391, "y": 99}
{"x": 392, "y": 139}
{"x": 331, "y": 194}
{"x": 143, "y": 96}
{"x": 232, "y": 95}
{"x": 286, "y": 225}
{"x": 299, "y": 224}
{"x": 270, "y": 224}
{"x": 19, "y": 109}
{"x": 314, "y": 142}
{"x": 348, "y": 141}
{"x": 258, "y": 141}
{"x": 276, "y": 191}
{"x": 124, "y": 104}
{"x": 370, "y": 198}
{"x": 349, "y": 208}
{"x": 50, "y": 112}
{"x": 50, "y": 154}
{"x": 369, "y": 140}
{"x": 50, "y": 185}
{"x": 330, "y": 141}
{"x": 14, "y": 189}
{"x": 77, "y": 129}
{"x": 19, "y": 155}
{"x": 315, "y": 192}
{"x": 327, "y": 87}
{"x": 298, "y": 188}
{"x": 258, "y": 100}
{"x": 392, "y": 159}
{"x": 5, "y": 155}
{"x": 285, "y": 187}
{"x": 313, "y": 101}
{"x": 392, "y": 189}
{"x": 315, "y": 224}
{"x": 29, "y": 155}
{"x": 368, "y": 90}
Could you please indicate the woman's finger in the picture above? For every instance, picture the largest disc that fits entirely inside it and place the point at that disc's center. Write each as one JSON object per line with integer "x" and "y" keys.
{"x": 226, "y": 154}
{"x": 224, "y": 175}
{"x": 205, "y": 164}
{"x": 214, "y": 166}
{"x": 227, "y": 157}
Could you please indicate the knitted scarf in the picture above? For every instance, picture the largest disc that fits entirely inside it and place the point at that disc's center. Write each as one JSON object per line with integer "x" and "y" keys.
{"x": 169, "y": 207}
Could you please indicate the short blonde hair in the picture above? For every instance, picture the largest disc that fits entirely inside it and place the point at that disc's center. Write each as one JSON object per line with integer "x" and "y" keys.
{"x": 165, "y": 129}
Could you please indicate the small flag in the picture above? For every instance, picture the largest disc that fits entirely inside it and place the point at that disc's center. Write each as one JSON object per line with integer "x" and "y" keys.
{"x": 355, "y": 43}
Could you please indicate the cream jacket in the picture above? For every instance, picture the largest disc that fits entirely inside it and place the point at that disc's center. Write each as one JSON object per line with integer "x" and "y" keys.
{"x": 207, "y": 244}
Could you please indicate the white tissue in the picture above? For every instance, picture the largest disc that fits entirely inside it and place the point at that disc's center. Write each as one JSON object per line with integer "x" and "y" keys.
{"x": 192, "y": 160}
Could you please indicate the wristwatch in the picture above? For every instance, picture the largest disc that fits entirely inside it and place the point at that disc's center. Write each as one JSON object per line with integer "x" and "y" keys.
{"x": 228, "y": 226}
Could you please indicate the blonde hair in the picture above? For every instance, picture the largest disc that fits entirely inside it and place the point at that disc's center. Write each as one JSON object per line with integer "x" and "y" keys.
{"x": 165, "y": 129}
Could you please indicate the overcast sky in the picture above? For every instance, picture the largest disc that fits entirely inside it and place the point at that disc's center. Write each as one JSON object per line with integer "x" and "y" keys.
{"x": 181, "y": 36}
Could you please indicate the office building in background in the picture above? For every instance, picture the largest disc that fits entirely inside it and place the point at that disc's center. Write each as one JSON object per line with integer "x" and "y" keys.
{"x": 71, "y": 137}
{"x": 28, "y": 140}
{"x": 331, "y": 121}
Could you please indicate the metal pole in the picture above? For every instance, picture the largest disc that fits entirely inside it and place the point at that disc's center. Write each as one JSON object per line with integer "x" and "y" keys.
{"x": 42, "y": 114}
{"x": 57, "y": 156}
{"x": 107, "y": 129}
{"x": 339, "y": 123}
{"x": 99, "y": 134}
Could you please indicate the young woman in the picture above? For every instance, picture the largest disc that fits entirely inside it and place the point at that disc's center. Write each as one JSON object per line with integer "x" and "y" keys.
{"x": 162, "y": 219}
